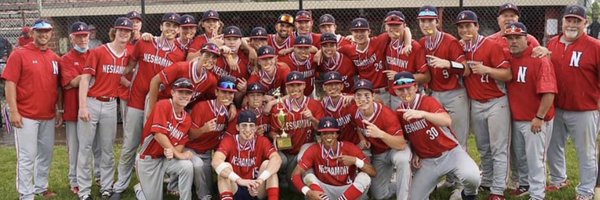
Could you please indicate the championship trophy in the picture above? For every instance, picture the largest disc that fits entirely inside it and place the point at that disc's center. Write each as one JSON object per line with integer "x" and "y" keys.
{"x": 282, "y": 142}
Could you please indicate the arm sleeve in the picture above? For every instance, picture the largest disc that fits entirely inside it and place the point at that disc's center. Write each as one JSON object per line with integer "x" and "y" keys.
{"x": 170, "y": 74}
{"x": 14, "y": 66}
{"x": 546, "y": 82}
{"x": 226, "y": 144}
{"x": 91, "y": 65}
{"x": 160, "y": 119}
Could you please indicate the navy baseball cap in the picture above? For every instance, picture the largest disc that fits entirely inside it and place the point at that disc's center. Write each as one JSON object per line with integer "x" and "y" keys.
{"x": 427, "y": 12}
{"x": 516, "y": 28}
{"x": 256, "y": 88}
{"x": 359, "y": 24}
{"x": 332, "y": 77}
{"x": 395, "y": 17}
{"x": 326, "y": 19}
{"x": 123, "y": 23}
{"x": 303, "y": 15}
{"x": 266, "y": 52}
{"x": 79, "y": 28}
{"x": 183, "y": 84}
{"x": 259, "y": 32}
{"x": 171, "y": 17}
{"x": 575, "y": 11}
{"x": 328, "y": 124}
{"x": 303, "y": 41}
{"x": 188, "y": 20}
{"x": 232, "y": 31}
{"x": 294, "y": 77}
{"x": 363, "y": 84}
{"x": 227, "y": 83}
{"x": 41, "y": 24}
{"x": 210, "y": 14}
{"x": 134, "y": 15}
{"x": 404, "y": 80}
{"x": 246, "y": 116}
{"x": 328, "y": 38}
{"x": 467, "y": 16}
{"x": 508, "y": 6}
{"x": 210, "y": 47}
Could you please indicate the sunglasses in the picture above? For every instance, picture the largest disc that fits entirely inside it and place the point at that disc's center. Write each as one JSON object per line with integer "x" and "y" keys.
{"x": 287, "y": 19}
{"x": 394, "y": 18}
{"x": 183, "y": 84}
{"x": 227, "y": 85}
{"x": 427, "y": 13}
{"x": 514, "y": 29}
{"x": 404, "y": 81}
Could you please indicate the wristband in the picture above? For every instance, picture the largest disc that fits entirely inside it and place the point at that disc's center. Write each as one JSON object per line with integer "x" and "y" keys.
{"x": 456, "y": 65}
{"x": 359, "y": 163}
{"x": 221, "y": 167}
{"x": 540, "y": 118}
{"x": 305, "y": 190}
{"x": 233, "y": 177}
{"x": 264, "y": 175}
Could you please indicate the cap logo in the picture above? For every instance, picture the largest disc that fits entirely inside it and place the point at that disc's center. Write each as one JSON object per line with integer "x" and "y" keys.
{"x": 188, "y": 20}
{"x": 303, "y": 41}
{"x": 574, "y": 10}
{"x": 361, "y": 83}
{"x": 294, "y": 76}
{"x": 509, "y": 6}
{"x": 462, "y": 16}
{"x": 80, "y": 28}
{"x": 254, "y": 87}
{"x": 259, "y": 32}
{"x": 328, "y": 124}
{"x": 332, "y": 76}
{"x": 266, "y": 51}
{"x": 210, "y": 14}
{"x": 325, "y": 18}
{"x": 124, "y": 23}
{"x": 358, "y": 24}
{"x": 231, "y": 31}
{"x": 172, "y": 17}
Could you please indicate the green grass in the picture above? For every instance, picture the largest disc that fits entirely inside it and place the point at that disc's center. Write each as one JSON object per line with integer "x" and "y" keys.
{"x": 59, "y": 182}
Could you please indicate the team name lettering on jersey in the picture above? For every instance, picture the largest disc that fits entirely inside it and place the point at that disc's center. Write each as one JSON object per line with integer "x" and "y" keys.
{"x": 113, "y": 69}
{"x": 154, "y": 59}
{"x": 396, "y": 61}
{"x": 220, "y": 71}
{"x": 309, "y": 73}
{"x": 522, "y": 74}
{"x": 298, "y": 124}
{"x": 575, "y": 58}
{"x": 343, "y": 120}
{"x": 365, "y": 62}
{"x": 334, "y": 170}
{"x": 243, "y": 162}
{"x": 174, "y": 132}
{"x": 415, "y": 126}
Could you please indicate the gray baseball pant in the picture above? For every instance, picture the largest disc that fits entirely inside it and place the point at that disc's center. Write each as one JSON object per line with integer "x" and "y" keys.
{"x": 72, "y": 149}
{"x": 151, "y": 173}
{"x": 361, "y": 182}
{"x": 384, "y": 163}
{"x": 203, "y": 174}
{"x": 132, "y": 136}
{"x": 456, "y": 102}
{"x": 530, "y": 154}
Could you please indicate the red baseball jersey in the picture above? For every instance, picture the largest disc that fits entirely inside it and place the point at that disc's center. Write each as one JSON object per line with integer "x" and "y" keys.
{"x": 501, "y": 40}
{"x": 71, "y": 66}
{"x": 384, "y": 118}
{"x": 532, "y": 77}
{"x": 203, "y": 112}
{"x": 413, "y": 62}
{"x": 184, "y": 46}
{"x": 151, "y": 60}
{"x": 576, "y": 66}
{"x": 307, "y": 68}
{"x": 163, "y": 120}
{"x": 343, "y": 116}
{"x": 342, "y": 41}
{"x": 369, "y": 62}
{"x": 197, "y": 43}
{"x": 262, "y": 121}
{"x": 223, "y": 69}
{"x": 271, "y": 82}
{"x": 24, "y": 41}
{"x": 444, "y": 46}
{"x": 205, "y": 83}
{"x": 341, "y": 64}
{"x": 36, "y": 75}
{"x": 107, "y": 68}
{"x": 325, "y": 165}
{"x": 287, "y": 43}
{"x": 426, "y": 139}
{"x": 246, "y": 158}
{"x": 482, "y": 88}
{"x": 296, "y": 126}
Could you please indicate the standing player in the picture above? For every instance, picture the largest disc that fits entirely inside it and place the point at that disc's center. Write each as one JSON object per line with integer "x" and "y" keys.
{"x": 32, "y": 81}
{"x": 258, "y": 38}
{"x": 339, "y": 169}
{"x": 436, "y": 152}
{"x": 271, "y": 74}
{"x": 283, "y": 39}
{"x": 301, "y": 60}
{"x": 212, "y": 27}
{"x": 327, "y": 25}
{"x": 98, "y": 107}
{"x": 304, "y": 26}
{"x": 531, "y": 96}
{"x": 247, "y": 164}
{"x": 235, "y": 63}
{"x": 332, "y": 60}
{"x": 164, "y": 138}
{"x": 189, "y": 27}
{"x": 335, "y": 106}
{"x": 71, "y": 69}
{"x": 384, "y": 141}
{"x": 490, "y": 113}
{"x": 576, "y": 65}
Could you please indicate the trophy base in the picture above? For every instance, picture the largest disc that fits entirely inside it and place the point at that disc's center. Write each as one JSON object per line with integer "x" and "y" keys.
{"x": 283, "y": 143}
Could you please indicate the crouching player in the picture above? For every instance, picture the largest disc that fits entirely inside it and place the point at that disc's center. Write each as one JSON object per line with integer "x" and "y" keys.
{"x": 341, "y": 170}
{"x": 247, "y": 164}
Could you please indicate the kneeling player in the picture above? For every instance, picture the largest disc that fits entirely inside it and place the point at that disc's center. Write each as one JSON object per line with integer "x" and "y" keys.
{"x": 436, "y": 150}
{"x": 247, "y": 164}
{"x": 334, "y": 165}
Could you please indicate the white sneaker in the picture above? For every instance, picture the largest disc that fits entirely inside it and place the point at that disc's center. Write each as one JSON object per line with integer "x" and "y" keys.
{"x": 512, "y": 184}
{"x": 456, "y": 194}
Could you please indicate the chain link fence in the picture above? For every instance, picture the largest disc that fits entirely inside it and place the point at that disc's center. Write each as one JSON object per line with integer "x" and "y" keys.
{"x": 541, "y": 17}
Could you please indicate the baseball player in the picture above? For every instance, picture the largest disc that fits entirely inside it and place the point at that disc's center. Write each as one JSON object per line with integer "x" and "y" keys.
{"x": 246, "y": 163}
{"x": 209, "y": 120}
{"x": 338, "y": 169}
{"x": 426, "y": 124}
{"x": 212, "y": 27}
{"x": 189, "y": 27}
{"x": 332, "y": 60}
{"x": 576, "y": 103}
{"x": 71, "y": 69}
{"x": 327, "y": 25}
{"x": 258, "y": 38}
{"x": 98, "y": 107}
{"x": 256, "y": 99}
{"x": 304, "y": 26}
{"x": 490, "y": 113}
{"x": 336, "y": 105}
{"x": 396, "y": 61}
{"x": 236, "y": 63}
{"x": 381, "y": 135}
{"x": 151, "y": 57}
{"x": 31, "y": 85}
{"x": 531, "y": 96}
{"x": 301, "y": 60}
{"x": 271, "y": 74}
{"x": 162, "y": 150}
{"x": 137, "y": 20}
{"x": 284, "y": 38}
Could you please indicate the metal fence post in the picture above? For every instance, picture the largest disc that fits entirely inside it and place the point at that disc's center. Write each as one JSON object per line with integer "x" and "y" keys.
{"x": 143, "y": 7}
{"x": 299, "y": 4}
